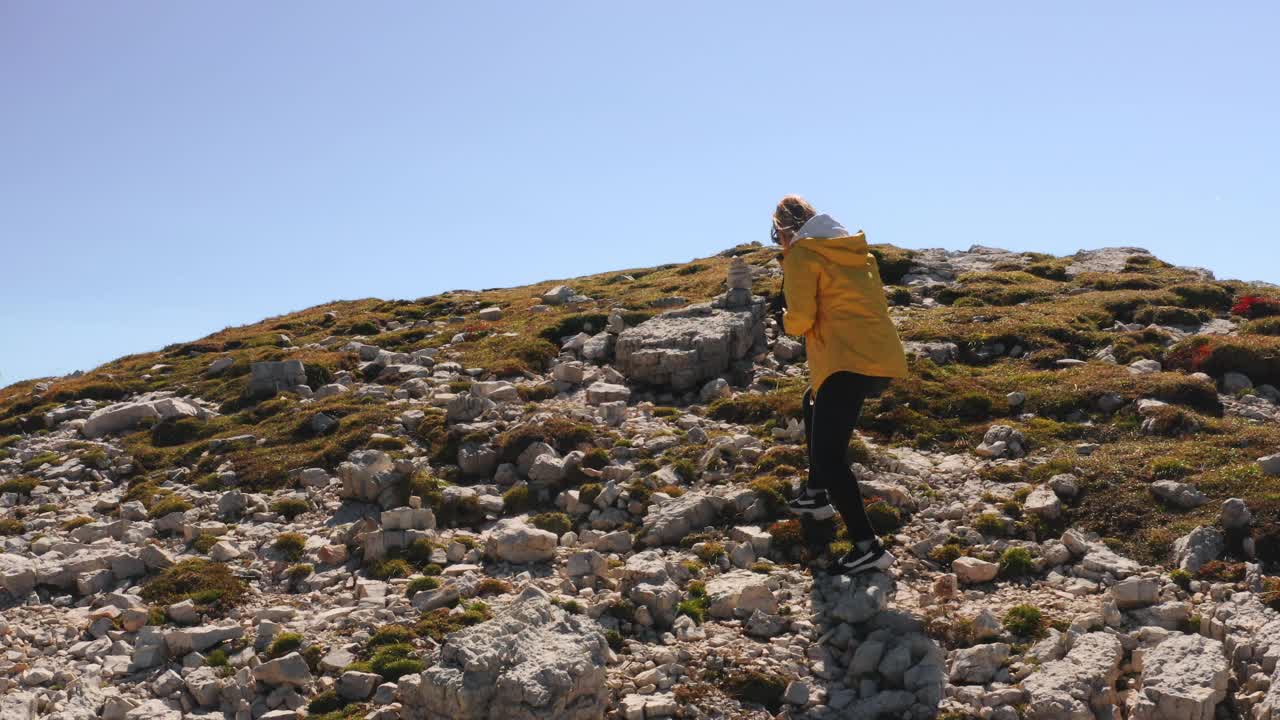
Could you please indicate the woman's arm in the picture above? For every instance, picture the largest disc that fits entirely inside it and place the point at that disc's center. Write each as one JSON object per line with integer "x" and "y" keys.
{"x": 800, "y": 288}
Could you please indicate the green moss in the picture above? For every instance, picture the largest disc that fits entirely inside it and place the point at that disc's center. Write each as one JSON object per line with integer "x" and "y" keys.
{"x": 493, "y": 586}
{"x": 204, "y": 542}
{"x": 772, "y": 492}
{"x": 695, "y": 605}
{"x": 1024, "y": 620}
{"x": 588, "y": 493}
{"x": 283, "y": 644}
{"x": 753, "y": 686}
{"x": 884, "y": 517}
{"x": 563, "y": 434}
{"x": 326, "y": 702}
{"x": 892, "y": 262}
{"x": 419, "y": 552}
{"x": 21, "y": 485}
{"x": 1262, "y": 326}
{"x": 1210, "y": 296}
{"x": 395, "y": 661}
{"x": 751, "y": 408}
{"x": 946, "y": 554}
{"x": 710, "y": 551}
{"x": 421, "y": 584}
{"x": 1257, "y": 356}
{"x": 1170, "y": 469}
{"x": 553, "y": 522}
{"x": 11, "y": 526}
{"x": 290, "y": 544}
{"x": 517, "y": 500}
{"x": 391, "y": 635}
{"x": 184, "y": 430}
{"x": 290, "y": 508}
{"x": 390, "y": 568}
{"x": 167, "y": 505}
{"x": 441, "y": 622}
{"x": 991, "y": 524}
{"x": 211, "y": 585}
{"x": 614, "y": 638}
{"x": 216, "y": 658}
{"x": 299, "y": 572}
{"x": 75, "y": 522}
{"x": 1165, "y": 315}
{"x": 1016, "y": 562}
{"x": 792, "y": 456}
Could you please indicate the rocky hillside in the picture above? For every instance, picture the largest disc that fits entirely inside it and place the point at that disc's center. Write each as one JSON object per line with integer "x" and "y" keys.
{"x": 564, "y": 501}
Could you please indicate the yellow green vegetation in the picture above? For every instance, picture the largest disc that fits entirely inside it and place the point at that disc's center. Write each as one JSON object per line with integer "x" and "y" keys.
{"x": 1031, "y": 304}
{"x": 210, "y": 585}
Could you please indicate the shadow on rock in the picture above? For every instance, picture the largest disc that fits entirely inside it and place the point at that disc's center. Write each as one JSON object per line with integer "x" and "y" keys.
{"x": 878, "y": 662}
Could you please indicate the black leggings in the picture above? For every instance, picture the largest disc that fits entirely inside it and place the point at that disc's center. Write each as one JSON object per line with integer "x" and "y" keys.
{"x": 829, "y": 420}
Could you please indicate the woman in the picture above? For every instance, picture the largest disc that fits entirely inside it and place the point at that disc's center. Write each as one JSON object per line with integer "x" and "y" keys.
{"x": 835, "y": 299}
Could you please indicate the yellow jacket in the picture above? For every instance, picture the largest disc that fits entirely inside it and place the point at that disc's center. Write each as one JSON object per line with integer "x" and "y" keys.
{"x": 836, "y": 301}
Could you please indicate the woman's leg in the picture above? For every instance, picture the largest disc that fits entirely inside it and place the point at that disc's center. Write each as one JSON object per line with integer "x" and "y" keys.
{"x": 834, "y": 413}
{"x": 806, "y": 407}
{"x": 813, "y": 502}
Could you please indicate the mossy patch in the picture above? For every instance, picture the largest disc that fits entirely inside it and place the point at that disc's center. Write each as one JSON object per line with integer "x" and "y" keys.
{"x": 211, "y": 585}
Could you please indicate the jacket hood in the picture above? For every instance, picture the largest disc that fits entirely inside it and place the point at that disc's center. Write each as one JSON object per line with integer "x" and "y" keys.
{"x": 821, "y": 225}
{"x": 825, "y": 237}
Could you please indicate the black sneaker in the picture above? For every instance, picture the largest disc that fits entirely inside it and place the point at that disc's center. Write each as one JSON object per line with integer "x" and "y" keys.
{"x": 856, "y": 562}
{"x": 815, "y": 505}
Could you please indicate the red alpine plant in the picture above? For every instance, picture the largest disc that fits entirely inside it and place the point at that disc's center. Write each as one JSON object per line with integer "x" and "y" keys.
{"x": 1255, "y": 306}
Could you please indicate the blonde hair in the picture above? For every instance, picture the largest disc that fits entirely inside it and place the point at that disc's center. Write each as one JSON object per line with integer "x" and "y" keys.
{"x": 792, "y": 213}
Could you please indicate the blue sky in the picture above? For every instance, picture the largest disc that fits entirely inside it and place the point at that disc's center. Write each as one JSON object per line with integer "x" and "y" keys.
{"x": 169, "y": 169}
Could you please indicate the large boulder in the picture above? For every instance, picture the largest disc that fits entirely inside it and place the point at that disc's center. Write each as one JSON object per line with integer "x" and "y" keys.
{"x": 1108, "y": 260}
{"x": 198, "y": 639}
{"x": 369, "y": 476}
{"x": 270, "y": 377}
{"x": 17, "y": 575}
{"x": 126, "y": 415}
{"x": 683, "y": 348}
{"x": 533, "y": 661}
{"x": 288, "y": 670}
{"x": 1193, "y": 550}
{"x": 1135, "y": 592}
{"x": 1183, "y": 678}
{"x": 740, "y": 592}
{"x": 1078, "y": 684}
{"x": 1183, "y": 495}
{"x": 515, "y": 541}
{"x": 18, "y": 705}
{"x": 978, "y": 664}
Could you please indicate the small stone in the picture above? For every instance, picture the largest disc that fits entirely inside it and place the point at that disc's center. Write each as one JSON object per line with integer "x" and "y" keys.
{"x": 1234, "y": 382}
{"x": 355, "y": 685}
{"x": 1065, "y": 485}
{"x": 971, "y": 570}
{"x": 1270, "y": 464}
{"x": 797, "y": 693}
{"x": 289, "y": 670}
{"x": 1043, "y": 501}
{"x": 1236, "y": 514}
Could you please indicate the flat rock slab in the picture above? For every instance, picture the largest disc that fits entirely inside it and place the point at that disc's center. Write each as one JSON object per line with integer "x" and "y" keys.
{"x": 669, "y": 522}
{"x": 1079, "y": 683}
{"x": 1183, "y": 678}
{"x": 682, "y": 348}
